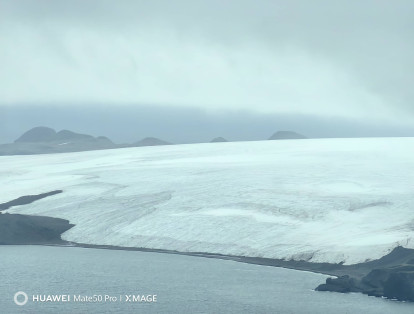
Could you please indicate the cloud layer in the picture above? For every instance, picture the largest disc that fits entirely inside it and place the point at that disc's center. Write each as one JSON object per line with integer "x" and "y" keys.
{"x": 346, "y": 59}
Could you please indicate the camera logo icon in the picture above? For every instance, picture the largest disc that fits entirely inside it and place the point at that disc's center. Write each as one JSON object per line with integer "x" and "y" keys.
{"x": 18, "y": 300}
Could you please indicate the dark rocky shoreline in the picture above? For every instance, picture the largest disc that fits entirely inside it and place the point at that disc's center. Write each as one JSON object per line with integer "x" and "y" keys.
{"x": 391, "y": 276}
{"x": 25, "y": 229}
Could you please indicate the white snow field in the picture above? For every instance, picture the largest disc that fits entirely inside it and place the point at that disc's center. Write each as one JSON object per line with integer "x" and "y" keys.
{"x": 322, "y": 200}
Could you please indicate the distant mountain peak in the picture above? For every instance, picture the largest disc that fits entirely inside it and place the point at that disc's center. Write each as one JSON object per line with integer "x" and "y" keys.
{"x": 151, "y": 141}
{"x": 44, "y": 140}
{"x": 45, "y": 135}
{"x": 286, "y": 135}
{"x": 69, "y": 135}
{"x": 37, "y": 134}
{"x": 218, "y": 140}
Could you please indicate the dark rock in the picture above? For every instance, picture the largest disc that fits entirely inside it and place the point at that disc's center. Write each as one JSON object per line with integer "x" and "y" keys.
{"x": 341, "y": 284}
{"x": 400, "y": 286}
{"x": 393, "y": 282}
{"x": 286, "y": 135}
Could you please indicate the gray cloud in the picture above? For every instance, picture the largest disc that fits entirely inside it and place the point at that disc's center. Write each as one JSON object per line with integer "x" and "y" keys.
{"x": 348, "y": 59}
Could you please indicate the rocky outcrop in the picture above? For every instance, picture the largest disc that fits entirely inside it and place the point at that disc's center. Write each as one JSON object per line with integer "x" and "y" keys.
{"x": 393, "y": 283}
{"x": 390, "y": 282}
{"x": 341, "y": 284}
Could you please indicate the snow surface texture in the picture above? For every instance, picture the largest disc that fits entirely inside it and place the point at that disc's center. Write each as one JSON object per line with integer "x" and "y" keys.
{"x": 324, "y": 200}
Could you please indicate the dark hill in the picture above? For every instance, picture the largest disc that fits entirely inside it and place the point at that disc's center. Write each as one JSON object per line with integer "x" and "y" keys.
{"x": 218, "y": 140}
{"x": 286, "y": 135}
{"x": 66, "y": 135}
{"x": 38, "y": 134}
{"x": 44, "y": 134}
{"x": 43, "y": 140}
{"x": 150, "y": 141}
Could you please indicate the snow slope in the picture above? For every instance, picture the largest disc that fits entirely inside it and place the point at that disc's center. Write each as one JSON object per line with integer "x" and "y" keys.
{"x": 321, "y": 200}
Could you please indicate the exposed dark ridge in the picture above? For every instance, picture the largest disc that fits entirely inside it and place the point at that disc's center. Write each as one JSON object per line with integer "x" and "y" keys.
{"x": 27, "y": 199}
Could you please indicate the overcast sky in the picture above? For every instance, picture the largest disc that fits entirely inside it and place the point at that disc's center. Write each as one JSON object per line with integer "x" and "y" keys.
{"x": 340, "y": 60}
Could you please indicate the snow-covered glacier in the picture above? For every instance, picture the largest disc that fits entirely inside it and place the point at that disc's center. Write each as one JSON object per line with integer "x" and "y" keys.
{"x": 333, "y": 200}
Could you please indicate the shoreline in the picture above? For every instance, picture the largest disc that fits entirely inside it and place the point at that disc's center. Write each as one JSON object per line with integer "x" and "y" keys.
{"x": 391, "y": 276}
{"x": 321, "y": 268}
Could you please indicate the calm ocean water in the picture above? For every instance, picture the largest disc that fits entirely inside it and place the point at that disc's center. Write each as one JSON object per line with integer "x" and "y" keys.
{"x": 182, "y": 284}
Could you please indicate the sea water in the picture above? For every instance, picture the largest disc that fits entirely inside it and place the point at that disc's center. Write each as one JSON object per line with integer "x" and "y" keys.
{"x": 80, "y": 280}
